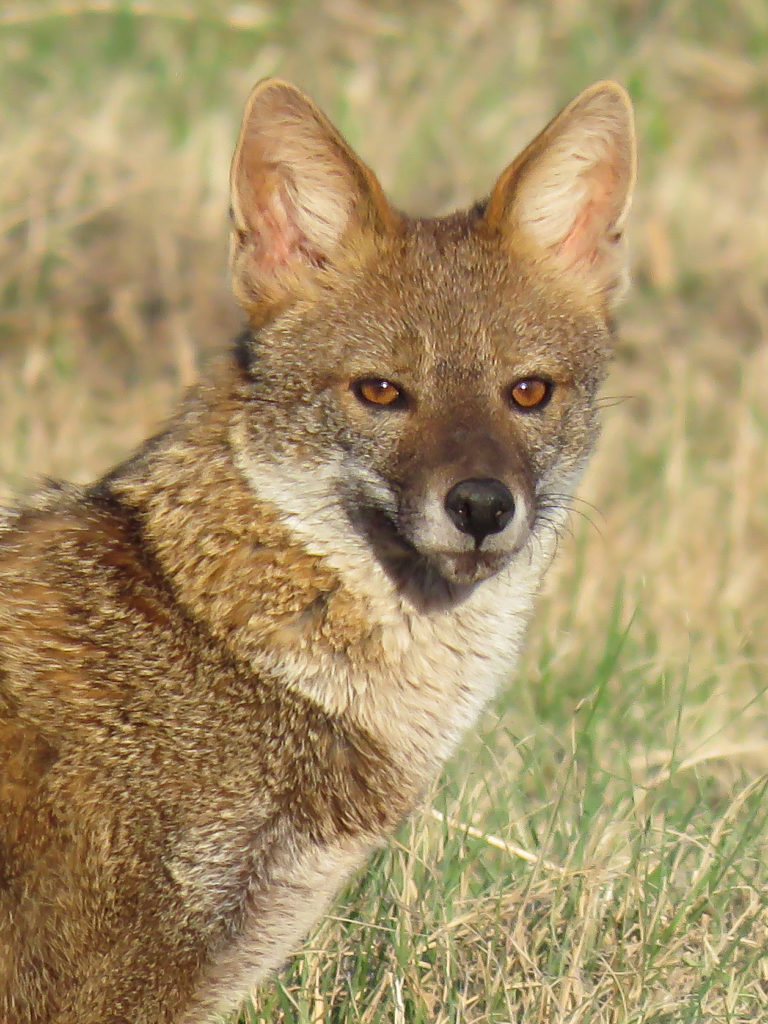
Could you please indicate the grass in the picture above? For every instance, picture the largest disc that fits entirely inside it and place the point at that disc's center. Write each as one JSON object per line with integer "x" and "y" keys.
{"x": 597, "y": 850}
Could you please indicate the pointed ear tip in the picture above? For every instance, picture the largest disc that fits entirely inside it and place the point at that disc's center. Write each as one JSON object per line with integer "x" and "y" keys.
{"x": 276, "y": 87}
{"x": 608, "y": 94}
{"x": 266, "y": 84}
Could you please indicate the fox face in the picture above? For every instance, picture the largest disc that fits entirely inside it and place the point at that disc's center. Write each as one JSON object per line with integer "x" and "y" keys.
{"x": 434, "y": 378}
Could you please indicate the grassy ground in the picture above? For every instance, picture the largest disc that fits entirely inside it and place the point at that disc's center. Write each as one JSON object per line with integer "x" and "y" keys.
{"x": 597, "y": 851}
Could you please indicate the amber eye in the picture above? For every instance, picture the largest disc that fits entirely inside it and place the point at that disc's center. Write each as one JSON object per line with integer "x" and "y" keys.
{"x": 530, "y": 393}
{"x": 377, "y": 391}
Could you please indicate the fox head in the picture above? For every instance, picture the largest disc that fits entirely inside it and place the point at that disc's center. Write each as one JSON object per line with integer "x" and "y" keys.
{"x": 430, "y": 381}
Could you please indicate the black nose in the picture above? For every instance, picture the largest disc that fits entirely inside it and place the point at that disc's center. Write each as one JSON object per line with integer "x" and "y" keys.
{"x": 480, "y": 507}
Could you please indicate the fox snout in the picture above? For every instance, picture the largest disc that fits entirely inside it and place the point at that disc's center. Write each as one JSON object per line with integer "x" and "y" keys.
{"x": 463, "y": 521}
{"x": 483, "y": 524}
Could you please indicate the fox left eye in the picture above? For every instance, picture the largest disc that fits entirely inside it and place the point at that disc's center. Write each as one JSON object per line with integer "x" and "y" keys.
{"x": 530, "y": 393}
{"x": 377, "y": 391}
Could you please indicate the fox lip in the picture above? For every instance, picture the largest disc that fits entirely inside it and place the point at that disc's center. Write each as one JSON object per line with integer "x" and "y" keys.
{"x": 400, "y": 556}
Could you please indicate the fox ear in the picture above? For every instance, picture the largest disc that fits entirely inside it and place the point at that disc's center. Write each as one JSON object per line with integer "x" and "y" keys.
{"x": 570, "y": 190}
{"x": 301, "y": 200}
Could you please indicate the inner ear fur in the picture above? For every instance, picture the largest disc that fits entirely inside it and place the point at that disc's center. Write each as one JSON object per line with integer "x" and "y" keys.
{"x": 569, "y": 191}
{"x": 301, "y": 200}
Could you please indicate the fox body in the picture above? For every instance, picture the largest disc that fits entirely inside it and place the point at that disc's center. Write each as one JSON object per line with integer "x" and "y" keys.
{"x": 232, "y": 665}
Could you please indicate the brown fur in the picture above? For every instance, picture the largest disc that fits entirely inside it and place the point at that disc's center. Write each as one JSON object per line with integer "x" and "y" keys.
{"x": 230, "y": 667}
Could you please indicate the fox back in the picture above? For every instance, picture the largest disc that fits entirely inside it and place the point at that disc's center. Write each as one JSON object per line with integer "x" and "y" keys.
{"x": 232, "y": 665}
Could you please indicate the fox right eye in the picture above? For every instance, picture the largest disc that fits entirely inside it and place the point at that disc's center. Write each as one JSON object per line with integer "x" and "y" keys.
{"x": 379, "y": 392}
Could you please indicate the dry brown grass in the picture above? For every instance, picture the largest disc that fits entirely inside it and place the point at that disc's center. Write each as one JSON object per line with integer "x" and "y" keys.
{"x": 113, "y": 241}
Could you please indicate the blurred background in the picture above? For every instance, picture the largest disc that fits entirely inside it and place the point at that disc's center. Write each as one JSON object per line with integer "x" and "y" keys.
{"x": 629, "y": 751}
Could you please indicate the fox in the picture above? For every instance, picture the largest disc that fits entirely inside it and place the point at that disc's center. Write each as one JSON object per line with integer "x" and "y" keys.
{"x": 232, "y": 665}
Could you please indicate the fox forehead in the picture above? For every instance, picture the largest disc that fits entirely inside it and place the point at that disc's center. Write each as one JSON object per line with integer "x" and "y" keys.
{"x": 445, "y": 301}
